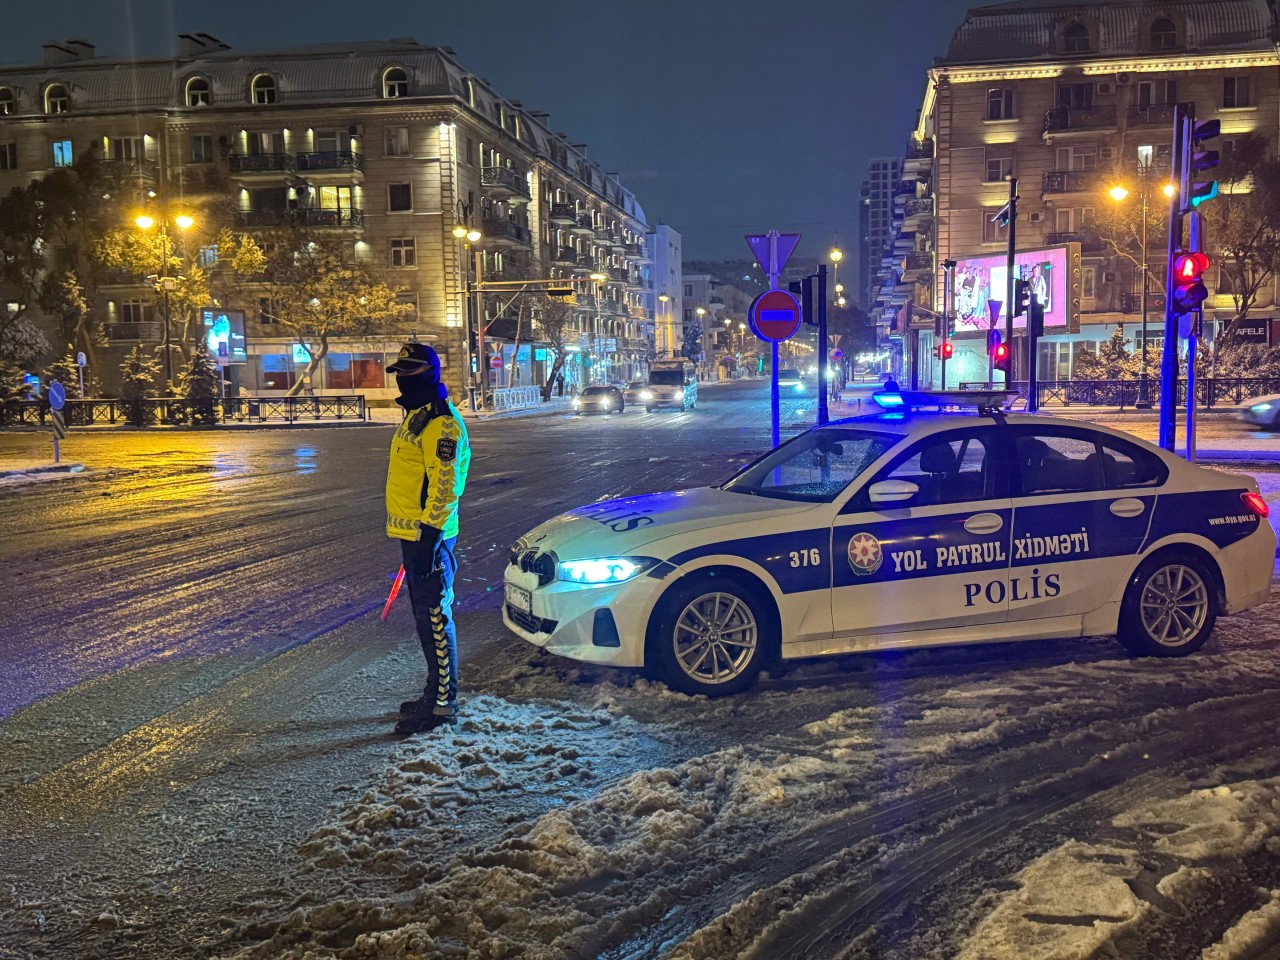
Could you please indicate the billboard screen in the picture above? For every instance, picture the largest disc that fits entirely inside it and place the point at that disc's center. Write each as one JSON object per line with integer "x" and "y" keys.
{"x": 224, "y": 335}
{"x": 983, "y": 279}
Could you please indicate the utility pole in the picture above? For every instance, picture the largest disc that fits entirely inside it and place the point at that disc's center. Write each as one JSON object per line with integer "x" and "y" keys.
{"x": 822, "y": 344}
{"x": 1008, "y": 313}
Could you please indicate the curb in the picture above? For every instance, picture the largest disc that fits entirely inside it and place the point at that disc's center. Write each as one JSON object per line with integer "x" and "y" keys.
{"x": 52, "y": 468}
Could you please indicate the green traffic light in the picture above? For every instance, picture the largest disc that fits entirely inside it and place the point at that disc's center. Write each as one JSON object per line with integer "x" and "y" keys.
{"x": 1210, "y": 191}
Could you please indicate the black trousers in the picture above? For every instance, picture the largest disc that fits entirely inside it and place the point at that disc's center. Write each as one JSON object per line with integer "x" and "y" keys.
{"x": 430, "y": 578}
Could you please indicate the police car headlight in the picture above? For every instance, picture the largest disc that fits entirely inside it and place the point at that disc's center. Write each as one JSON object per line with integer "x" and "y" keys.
{"x": 646, "y": 394}
{"x": 604, "y": 570}
{"x": 1260, "y": 407}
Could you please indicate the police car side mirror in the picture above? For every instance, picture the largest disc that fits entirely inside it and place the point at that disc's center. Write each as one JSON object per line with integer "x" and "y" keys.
{"x": 892, "y": 491}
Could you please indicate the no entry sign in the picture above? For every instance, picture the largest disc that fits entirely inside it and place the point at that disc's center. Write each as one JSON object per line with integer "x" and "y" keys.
{"x": 774, "y": 316}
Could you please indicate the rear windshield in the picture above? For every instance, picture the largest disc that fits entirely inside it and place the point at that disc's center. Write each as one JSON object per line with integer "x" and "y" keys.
{"x": 667, "y": 378}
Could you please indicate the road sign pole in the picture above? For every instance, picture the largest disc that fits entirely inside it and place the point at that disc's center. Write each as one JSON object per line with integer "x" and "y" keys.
{"x": 822, "y": 345}
{"x": 1183, "y": 116}
{"x": 773, "y": 396}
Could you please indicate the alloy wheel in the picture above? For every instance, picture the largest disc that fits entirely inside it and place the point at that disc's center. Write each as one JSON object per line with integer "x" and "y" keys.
{"x": 715, "y": 637}
{"x": 1174, "y": 605}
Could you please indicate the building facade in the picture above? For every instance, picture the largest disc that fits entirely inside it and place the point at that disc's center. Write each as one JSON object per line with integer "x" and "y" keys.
{"x": 876, "y": 219}
{"x": 387, "y": 145}
{"x": 1072, "y": 99}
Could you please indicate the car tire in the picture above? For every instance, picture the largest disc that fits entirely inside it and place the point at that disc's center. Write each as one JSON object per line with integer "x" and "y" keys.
{"x": 697, "y": 609}
{"x": 1170, "y": 606}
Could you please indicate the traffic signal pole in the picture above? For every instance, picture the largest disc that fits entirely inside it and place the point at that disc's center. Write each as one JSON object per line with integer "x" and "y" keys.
{"x": 1168, "y": 430}
{"x": 1008, "y": 313}
{"x": 823, "y": 416}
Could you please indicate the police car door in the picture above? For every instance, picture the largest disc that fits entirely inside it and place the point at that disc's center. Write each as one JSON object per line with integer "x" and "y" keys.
{"x": 1080, "y": 515}
{"x": 937, "y": 554}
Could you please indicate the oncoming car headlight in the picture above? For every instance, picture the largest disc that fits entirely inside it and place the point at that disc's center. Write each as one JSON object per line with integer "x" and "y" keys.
{"x": 604, "y": 569}
{"x": 679, "y": 394}
{"x": 646, "y": 394}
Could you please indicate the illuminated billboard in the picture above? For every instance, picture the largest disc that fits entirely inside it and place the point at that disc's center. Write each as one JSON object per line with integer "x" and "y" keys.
{"x": 224, "y": 335}
{"x": 1054, "y": 274}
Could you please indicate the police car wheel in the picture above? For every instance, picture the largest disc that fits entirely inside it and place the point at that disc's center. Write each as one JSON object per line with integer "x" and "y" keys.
{"x": 1169, "y": 608}
{"x": 710, "y": 636}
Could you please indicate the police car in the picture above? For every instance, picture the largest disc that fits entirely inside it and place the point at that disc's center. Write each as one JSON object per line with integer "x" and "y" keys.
{"x": 906, "y": 528}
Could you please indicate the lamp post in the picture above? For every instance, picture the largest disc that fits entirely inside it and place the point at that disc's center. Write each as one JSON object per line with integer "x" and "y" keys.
{"x": 165, "y": 282}
{"x": 667, "y": 348}
{"x": 701, "y": 312}
{"x": 464, "y": 230}
{"x": 1119, "y": 194}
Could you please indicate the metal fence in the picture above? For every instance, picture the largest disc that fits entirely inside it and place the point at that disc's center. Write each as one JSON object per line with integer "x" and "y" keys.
{"x": 1210, "y": 391}
{"x": 167, "y": 411}
{"x": 516, "y": 398}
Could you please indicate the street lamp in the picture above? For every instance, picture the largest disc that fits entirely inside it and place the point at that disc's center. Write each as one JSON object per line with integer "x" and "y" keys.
{"x": 465, "y": 230}
{"x": 1119, "y": 193}
{"x": 667, "y": 347}
{"x": 164, "y": 281}
{"x": 597, "y": 278}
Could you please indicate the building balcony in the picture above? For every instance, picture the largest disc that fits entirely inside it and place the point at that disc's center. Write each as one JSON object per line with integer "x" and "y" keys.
{"x": 638, "y": 252}
{"x": 262, "y": 163}
{"x": 329, "y": 161}
{"x": 1071, "y": 119}
{"x": 919, "y": 149}
{"x": 146, "y": 330}
{"x": 133, "y": 169}
{"x": 584, "y": 301}
{"x": 716, "y": 301}
{"x": 563, "y": 214}
{"x": 566, "y": 255}
{"x": 905, "y": 188}
{"x": 1132, "y": 303}
{"x": 917, "y": 261}
{"x": 506, "y": 233}
{"x": 300, "y": 218}
{"x": 602, "y": 237}
{"x": 583, "y": 225}
{"x": 585, "y": 265}
{"x": 1088, "y": 242}
{"x": 117, "y": 277}
{"x": 503, "y": 182}
{"x": 918, "y": 207}
{"x": 618, "y": 242}
{"x": 1153, "y": 113}
{"x": 1068, "y": 181}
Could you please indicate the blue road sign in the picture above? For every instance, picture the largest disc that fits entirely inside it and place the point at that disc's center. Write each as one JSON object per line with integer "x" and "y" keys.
{"x": 57, "y": 395}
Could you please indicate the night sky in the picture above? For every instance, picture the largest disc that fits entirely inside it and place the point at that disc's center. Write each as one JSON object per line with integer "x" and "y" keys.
{"x": 723, "y": 116}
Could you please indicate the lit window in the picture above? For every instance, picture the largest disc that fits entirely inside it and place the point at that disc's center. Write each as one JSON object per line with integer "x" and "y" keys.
{"x": 397, "y": 141}
{"x": 395, "y": 84}
{"x": 62, "y": 153}
{"x": 264, "y": 89}
{"x": 198, "y": 94}
{"x": 56, "y": 99}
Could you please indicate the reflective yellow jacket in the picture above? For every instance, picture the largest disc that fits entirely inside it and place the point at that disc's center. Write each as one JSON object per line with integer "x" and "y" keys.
{"x": 430, "y": 455}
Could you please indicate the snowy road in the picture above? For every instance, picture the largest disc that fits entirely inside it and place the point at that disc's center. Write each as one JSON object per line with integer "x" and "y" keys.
{"x": 195, "y": 758}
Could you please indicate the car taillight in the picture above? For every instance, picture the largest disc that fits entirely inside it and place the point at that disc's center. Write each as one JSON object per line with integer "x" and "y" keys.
{"x": 1255, "y": 504}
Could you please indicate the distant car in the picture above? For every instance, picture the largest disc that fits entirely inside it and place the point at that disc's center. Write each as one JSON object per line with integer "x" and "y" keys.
{"x": 633, "y": 391}
{"x": 790, "y": 380}
{"x": 1263, "y": 411}
{"x": 599, "y": 399}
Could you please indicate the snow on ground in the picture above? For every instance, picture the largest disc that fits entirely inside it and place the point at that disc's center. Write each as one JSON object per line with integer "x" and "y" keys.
{"x": 1038, "y": 801}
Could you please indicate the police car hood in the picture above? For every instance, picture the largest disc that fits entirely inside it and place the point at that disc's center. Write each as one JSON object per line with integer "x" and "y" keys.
{"x": 615, "y": 528}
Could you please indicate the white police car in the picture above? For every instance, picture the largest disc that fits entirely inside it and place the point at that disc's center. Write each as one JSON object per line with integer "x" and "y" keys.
{"x": 906, "y": 529}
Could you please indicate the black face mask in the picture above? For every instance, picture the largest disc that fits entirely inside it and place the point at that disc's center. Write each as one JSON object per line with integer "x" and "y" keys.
{"x": 419, "y": 389}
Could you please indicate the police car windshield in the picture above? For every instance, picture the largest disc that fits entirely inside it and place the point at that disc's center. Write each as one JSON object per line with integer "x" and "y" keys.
{"x": 815, "y": 466}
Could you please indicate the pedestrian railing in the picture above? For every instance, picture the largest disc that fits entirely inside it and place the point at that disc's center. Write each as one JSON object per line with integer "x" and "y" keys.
{"x": 169, "y": 411}
{"x": 516, "y": 398}
{"x": 1130, "y": 393}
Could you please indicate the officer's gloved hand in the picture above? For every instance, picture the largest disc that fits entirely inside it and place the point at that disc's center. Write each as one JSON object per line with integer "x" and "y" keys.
{"x": 429, "y": 537}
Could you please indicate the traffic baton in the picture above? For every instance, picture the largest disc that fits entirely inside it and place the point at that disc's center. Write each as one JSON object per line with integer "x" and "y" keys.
{"x": 395, "y": 588}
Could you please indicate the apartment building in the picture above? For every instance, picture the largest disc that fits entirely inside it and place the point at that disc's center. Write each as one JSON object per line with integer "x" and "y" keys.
{"x": 1070, "y": 98}
{"x": 388, "y": 145}
{"x": 876, "y": 219}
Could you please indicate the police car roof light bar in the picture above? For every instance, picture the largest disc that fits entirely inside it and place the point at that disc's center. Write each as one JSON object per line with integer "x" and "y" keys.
{"x": 983, "y": 401}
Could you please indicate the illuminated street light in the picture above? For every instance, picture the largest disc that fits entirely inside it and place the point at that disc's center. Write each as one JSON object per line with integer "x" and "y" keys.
{"x": 1169, "y": 190}
{"x": 836, "y": 255}
{"x": 163, "y": 280}
{"x": 145, "y": 222}
{"x": 841, "y": 301}
{"x": 839, "y": 288}
{"x": 599, "y": 277}
{"x": 1118, "y": 193}
{"x": 184, "y": 221}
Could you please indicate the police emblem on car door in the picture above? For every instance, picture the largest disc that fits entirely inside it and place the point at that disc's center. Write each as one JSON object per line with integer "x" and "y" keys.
{"x": 925, "y": 542}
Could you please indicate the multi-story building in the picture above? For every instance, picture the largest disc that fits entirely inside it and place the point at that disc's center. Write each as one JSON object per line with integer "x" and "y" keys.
{"x": 883, "y": 183}
{"x": 388, "y": 145}
{"x": 1069, "y": 98}
{"x": 667, "y": 301}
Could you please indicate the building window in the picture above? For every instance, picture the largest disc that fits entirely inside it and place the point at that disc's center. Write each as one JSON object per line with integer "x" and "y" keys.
{"x": 278, "y": 372}
{"x": 1081, "y": 157}
{"x": 399, "y": 197}
{"x": 1164, "y": 34}
{"x": 409, "y": 299}
{"x": 354, "y": 371}
{"x": 264, "y": 143}
{"x": 1235, "y": 91}
{"x": 404, "y": 252}
{"x": 137, "y": 311}
{"x": 1158, "y": 92}
{"x": 1075, "y": 39}
{"x": 1226, "y": 284}
{"x": 7, "y": 103}
{"x": 56, "y": 99}
{"x": 263, "y": 89}
{"x": 207, "y": 256}
{"x": 198, "y": 93}
{"x": 688, "y": 289}
{"x": 201, "y": 148}
{"x": 1075, "y": 96}
{"x": 999, "y": 168}
{"x": 1000, "y": 103}
{"x": 8, "y": 156}
{"x": 470, "y": 155}
{"x": 62, "y": 156}
{"x": 397, "y": 141}
{"x": 993, "y": 231}
{"x": 395, "y": 84}
{"x": 127, "y": 148}
{"x": 266, "y": 313}
{"x": 1089, "y": 282}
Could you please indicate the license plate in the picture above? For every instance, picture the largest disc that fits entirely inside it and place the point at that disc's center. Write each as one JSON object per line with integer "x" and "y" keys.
{"x": 519, "y": 598}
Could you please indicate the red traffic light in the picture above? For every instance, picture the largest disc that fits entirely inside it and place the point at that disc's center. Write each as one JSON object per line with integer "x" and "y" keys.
{"x": 1001, "y": 352}
{"x": 1189, "y": 266}
{"x": 948, "y": 349}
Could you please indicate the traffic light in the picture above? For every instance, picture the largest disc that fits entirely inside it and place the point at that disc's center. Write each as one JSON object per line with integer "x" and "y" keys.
{"x": 1021, "y": 297}
{"x": 1199, "y": 192}
{"x": 803, "y": 289}
{"x": 1188, "y": 286}
{"x": 559, "y": 291}
{"x": 998, "y": 350}
{"x": 937, "y": 351}
{"x": 948, "y": 349}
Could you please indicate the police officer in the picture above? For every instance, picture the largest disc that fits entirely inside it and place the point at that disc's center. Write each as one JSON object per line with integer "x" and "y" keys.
{"x": 430, "y": 455}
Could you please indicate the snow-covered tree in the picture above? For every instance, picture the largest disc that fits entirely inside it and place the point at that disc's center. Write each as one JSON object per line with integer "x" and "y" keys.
{"x": 138, "y": 375}
{"x": 198, "y": 386}
{"x": 67, "y": 372}
{"x": 13, "y": 389}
